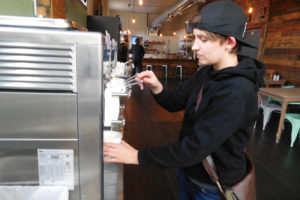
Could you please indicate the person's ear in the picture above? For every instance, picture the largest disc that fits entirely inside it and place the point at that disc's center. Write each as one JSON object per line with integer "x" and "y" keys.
{"x": 230, "y": 43}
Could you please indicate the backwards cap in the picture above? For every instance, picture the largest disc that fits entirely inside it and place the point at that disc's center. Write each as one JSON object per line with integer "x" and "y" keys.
{"x": 222, "y": 17}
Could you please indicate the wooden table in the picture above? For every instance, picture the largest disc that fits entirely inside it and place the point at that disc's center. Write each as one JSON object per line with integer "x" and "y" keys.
{"x": 286, "y": 95}
{"x": 270, "y": 82}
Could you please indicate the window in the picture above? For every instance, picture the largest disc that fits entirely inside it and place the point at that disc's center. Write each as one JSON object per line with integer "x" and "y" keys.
{"x": 44, "y": 8}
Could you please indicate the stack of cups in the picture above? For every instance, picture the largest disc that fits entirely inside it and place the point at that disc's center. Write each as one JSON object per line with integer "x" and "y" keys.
{"x": 111, "y": 170}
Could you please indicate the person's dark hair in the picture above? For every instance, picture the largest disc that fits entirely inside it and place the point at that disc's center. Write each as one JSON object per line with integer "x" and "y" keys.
{"x": 222, "y": 38}
{"x": 137, "y": 41}
{"x": 236, "y": 49}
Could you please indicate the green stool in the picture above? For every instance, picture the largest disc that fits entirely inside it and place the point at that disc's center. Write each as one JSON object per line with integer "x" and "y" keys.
{"x": 295, "y": 121}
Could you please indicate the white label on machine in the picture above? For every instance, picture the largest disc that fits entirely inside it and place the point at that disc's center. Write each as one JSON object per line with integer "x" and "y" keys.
{"x": 56, "y": 167}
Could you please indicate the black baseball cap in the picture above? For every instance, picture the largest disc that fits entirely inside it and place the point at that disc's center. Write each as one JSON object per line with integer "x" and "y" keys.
{"x": 222, "y": 17}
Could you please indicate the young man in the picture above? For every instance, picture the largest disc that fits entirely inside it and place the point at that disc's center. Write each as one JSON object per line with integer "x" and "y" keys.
{"x": 220, "y": 102}
{"x": 138, "y": 53}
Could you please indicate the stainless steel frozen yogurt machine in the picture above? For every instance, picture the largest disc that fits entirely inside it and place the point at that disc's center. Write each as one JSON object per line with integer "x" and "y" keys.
{"x": 51, "y": 106}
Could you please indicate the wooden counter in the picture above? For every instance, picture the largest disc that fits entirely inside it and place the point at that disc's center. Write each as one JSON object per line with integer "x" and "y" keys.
{"x": 190, "y": 66}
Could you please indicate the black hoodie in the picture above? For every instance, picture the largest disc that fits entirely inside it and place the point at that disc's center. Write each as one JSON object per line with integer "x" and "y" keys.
{"x": 221, "y": 126}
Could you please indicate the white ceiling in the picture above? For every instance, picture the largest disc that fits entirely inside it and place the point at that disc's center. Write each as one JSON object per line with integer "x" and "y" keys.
{"x": 149, "y": 6}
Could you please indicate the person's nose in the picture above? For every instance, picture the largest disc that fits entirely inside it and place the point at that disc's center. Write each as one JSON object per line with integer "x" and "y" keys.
{"x": 195, "y": 47}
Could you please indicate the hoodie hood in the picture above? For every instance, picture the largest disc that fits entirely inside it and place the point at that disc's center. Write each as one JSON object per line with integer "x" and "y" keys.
{"x": 250, "y": 68}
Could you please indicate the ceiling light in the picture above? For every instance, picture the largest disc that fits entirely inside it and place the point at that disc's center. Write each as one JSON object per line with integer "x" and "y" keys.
{"x": 133, "y": 20}
{"x": 141, "y": 2}
{"x": 174, "y": 33}
{"x": 160, "y": 35}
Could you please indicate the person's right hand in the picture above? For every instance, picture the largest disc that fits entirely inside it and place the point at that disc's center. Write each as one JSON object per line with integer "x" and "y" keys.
{"x": 149, "y": 79}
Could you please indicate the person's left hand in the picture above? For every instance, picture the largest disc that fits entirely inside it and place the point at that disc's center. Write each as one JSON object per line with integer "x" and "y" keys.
{"x": 120, "y": 153}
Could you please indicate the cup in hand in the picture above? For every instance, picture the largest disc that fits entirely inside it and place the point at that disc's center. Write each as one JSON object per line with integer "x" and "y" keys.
{"x": 112, "y": 136}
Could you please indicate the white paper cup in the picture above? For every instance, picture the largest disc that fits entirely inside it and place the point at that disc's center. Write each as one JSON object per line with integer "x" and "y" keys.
{"x": 112, "y": 136}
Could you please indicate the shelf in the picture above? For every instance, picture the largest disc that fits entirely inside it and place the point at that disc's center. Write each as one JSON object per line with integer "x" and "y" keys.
{"x": 154, "y": 46}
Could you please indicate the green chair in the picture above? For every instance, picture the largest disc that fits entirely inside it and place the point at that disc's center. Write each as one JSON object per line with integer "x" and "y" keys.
{"x": 294, "y": 119}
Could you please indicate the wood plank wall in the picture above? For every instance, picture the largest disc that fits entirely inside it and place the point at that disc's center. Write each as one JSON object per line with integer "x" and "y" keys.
{"x": 258, "y": 19}
{"x": 260, "y": 9}
{"x": 282, "y": 49}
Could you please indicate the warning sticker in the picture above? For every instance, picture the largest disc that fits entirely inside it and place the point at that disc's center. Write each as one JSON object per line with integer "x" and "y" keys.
{"x": 56, "y": 167}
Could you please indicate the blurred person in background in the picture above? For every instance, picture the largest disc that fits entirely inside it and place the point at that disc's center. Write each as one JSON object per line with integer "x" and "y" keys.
{"x": 123, "y": 52}
{"x": 138, "y": 53}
